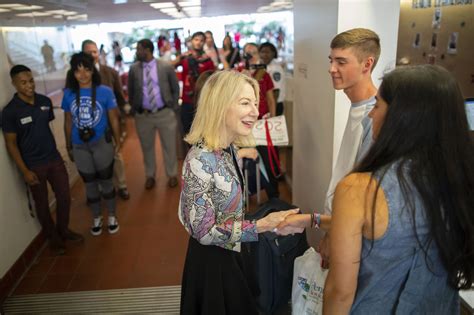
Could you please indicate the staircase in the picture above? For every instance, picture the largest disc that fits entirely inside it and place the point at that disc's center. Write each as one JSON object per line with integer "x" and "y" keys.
{"x": 154, "y": 300}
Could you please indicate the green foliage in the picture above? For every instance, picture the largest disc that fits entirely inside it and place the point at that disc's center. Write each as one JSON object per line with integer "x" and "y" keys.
{"x": 140, "y": 33}
{"x": 245, "y": 28}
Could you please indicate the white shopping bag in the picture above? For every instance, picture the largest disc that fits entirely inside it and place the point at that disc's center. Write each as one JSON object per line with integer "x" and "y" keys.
{"x": 277, "y": 128}
{"x": 308, "y": 284}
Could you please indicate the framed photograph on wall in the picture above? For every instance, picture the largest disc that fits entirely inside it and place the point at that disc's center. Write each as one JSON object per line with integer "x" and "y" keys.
{"x": 434, "y": 41}
{"x": 437, "y": 18}
{"x": 417, "y": 40}
{"x": 453, "y": 43}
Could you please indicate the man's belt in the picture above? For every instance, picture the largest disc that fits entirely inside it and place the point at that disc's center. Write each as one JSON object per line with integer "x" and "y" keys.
{"x": 150, "y": 111}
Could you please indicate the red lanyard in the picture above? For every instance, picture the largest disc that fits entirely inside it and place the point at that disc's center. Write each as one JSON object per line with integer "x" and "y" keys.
{"x": 272, "y": 154}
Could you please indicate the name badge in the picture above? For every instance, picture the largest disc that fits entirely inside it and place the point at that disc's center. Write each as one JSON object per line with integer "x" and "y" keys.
{"x": 44, "y": 108}
{"x": 26, "y": 120}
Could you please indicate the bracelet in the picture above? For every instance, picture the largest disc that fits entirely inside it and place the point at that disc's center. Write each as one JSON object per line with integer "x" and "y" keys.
{"x": 316, "y": 220}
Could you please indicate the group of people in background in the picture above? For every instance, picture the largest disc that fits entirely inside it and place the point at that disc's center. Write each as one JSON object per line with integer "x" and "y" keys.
{"x": 399, "y": 208}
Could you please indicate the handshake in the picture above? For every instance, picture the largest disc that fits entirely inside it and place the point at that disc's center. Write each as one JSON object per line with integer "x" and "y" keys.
{"x": 284, "y": 222}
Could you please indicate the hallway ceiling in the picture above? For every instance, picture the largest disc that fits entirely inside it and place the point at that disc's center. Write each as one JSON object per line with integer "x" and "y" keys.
{"x": 73, "y": 11}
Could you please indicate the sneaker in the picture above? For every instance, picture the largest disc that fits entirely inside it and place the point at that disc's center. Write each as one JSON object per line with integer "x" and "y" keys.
{"x": 113, "y": 225}
{"x": 150, "y": 183}
{"x": 96, "y": 229}
{"x": 173, "y": 182}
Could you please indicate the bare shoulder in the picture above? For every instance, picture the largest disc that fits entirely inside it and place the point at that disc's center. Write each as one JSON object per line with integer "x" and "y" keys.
{"x": 355, "y": 181}
{"x": 354, "y": 191}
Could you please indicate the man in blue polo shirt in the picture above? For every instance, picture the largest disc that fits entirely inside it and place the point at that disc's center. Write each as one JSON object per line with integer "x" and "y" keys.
{"x": 31, "y": 144}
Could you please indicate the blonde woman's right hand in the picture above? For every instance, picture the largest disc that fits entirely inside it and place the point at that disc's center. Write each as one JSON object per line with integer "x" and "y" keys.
{"x": 272, "y": 220}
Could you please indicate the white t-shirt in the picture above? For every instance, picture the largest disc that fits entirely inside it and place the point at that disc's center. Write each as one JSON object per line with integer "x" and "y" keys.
{"x": 212, "y": 53}
{"x": 277, "y": 74}
{"x": 356, "y": 141}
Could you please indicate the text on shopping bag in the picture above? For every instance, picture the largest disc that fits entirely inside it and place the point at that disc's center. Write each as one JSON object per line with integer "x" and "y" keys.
{"x": 277, "y": 128}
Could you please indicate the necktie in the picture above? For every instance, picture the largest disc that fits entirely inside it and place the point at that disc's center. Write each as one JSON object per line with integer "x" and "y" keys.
{"x": 149, "y": 88}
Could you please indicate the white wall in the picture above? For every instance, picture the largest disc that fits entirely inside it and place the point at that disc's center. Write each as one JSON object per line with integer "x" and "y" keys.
{"x": 320, "y": 113}
{"x": 313, "y": 111}
{"x": 17, "y": 227}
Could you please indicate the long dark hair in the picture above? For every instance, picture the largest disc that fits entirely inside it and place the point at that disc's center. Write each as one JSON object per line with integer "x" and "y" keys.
{"x": 426, "y": 130}
{"x": 86, "y": 61}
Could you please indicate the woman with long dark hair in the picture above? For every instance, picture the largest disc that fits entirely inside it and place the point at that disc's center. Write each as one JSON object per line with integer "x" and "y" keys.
{"x": 90, "y": 109}
{"x": 402, "y": 230}
{"x": 231, "y": 53}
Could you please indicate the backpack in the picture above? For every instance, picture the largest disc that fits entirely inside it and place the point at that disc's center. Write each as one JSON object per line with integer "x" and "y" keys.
{"x": 272, "y": 259}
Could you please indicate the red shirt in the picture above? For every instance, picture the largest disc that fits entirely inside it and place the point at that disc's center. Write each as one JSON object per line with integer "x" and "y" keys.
{"x": 266, "y": 84}
{"x": 189, "y": 82}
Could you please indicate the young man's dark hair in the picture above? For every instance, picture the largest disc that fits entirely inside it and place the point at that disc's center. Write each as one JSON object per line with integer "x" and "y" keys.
{"x": 146, "y": 43}
{"x": 272, "y": 48}
{"x": 199, "y": 34}
{"x": 18, "y": 69}
{"x": 87, "y": 42}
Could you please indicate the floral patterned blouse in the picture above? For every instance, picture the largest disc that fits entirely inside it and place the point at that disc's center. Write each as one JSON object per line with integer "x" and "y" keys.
{"x": 211, "y": 205}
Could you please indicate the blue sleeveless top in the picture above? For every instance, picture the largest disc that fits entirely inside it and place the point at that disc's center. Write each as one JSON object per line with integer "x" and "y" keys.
{"x": 395, "y": 275}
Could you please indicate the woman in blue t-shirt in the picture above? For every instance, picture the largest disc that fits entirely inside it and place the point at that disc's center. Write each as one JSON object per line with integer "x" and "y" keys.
{"x": 90, "y": 108}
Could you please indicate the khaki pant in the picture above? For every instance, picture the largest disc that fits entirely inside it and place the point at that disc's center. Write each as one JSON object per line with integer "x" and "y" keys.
{"x": 165, "y": 123}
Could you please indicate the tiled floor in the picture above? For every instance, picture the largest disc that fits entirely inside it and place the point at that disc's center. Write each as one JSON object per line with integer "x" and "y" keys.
{"x": 149, "y": 249}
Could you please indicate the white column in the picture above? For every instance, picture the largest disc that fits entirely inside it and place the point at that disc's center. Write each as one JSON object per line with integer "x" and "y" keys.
{"x": 17, "y": 227}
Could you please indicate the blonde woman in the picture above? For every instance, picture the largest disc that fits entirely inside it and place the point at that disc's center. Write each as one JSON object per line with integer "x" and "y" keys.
{"x": 215, "y": 278}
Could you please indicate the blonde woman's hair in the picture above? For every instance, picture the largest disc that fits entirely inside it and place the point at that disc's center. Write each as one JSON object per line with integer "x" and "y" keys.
{"x": 219, "y": 92}
{"x": 365, "y": 42}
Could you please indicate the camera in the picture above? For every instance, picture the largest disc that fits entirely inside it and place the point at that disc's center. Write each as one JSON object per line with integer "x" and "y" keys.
{"x": 86, "y": 133}
{"x": 247, "y": 56}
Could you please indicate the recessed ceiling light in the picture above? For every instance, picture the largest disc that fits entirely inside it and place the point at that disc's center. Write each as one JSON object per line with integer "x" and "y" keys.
{"x": 192, "y": 9}
{"x": 32, "y": 14}
{"x": 169, "y": 10}
{"x": 82, "y": 17}
{"x": 27, "y": 7}
{"x": 162, "y": 5}
{"x": 62, "y": 12}
{"x": 190, "y": 3}
{"x": 10, "y": 5}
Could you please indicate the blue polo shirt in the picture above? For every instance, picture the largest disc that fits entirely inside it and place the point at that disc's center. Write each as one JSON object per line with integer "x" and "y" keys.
{"x": 82, "y": 113}
{"x": 30, "y": 123}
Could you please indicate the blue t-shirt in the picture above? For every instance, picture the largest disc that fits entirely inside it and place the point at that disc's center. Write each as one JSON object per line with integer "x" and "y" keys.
{"x": 82, "y": 115}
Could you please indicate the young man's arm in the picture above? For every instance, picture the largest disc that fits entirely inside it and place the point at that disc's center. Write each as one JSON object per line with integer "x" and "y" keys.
{"x": 12, "y": 148}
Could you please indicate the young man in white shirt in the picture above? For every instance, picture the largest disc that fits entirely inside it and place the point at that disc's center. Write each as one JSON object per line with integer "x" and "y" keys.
{"x": 354, "y": 55}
